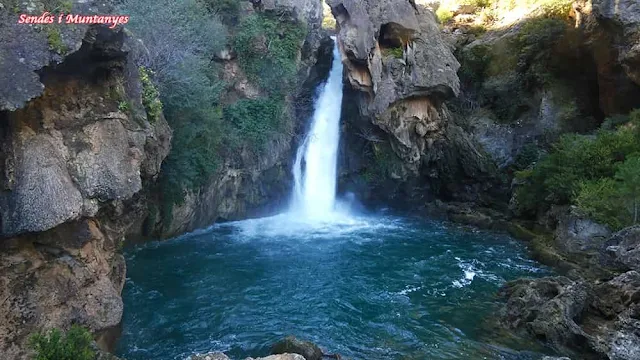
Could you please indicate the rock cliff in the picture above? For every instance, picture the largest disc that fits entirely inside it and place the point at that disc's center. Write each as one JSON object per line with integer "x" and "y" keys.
{"x": 77, "y": 149}
{"x": 399, "y": 133}
{"x": 250, "y": 183}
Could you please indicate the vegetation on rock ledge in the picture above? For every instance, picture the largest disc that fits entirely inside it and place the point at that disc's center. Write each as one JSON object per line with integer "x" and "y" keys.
{"x": 75, "y": 344}
{"x": 599, "y": 173}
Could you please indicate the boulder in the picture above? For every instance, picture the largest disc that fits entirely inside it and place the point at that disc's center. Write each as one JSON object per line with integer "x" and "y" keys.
{"x": 622, "y": 250}
{"x": 293, "y": 345}
{"x": 575, "y": 317}
{"x": 547, "y": 309}
{"x": 576, "y": 233}
{"x": 280, "y": 357}
{"x": 209, "y": 356}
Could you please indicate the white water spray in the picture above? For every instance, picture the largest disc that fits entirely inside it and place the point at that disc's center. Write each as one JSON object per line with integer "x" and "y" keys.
{"x": 315, "y": 168}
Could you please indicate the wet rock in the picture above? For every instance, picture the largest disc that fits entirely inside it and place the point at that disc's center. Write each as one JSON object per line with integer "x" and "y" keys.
{"x": 209, "y": 356}
{"x": 280, "y": 357}
{"x": 547, "y": 309}
{"x": 293, "y": 345}
{"x": 575, "y": 317}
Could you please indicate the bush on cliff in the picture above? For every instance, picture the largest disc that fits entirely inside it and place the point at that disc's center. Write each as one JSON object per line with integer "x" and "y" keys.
{"x": 75, "y": 344}
{"x": 600, "y": 173}
{"x": 177, "y": 59}
{"x": 268, "y": 50}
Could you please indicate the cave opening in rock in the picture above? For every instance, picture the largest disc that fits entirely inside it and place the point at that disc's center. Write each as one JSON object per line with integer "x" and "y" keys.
{"x": 394, "y": 38}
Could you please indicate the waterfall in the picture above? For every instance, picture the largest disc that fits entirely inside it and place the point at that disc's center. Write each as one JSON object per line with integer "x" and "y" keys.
{"x": 315, "y": 168}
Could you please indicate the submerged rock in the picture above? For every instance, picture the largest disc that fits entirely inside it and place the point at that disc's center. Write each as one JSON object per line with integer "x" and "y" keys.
{"x": 293, "y": 345}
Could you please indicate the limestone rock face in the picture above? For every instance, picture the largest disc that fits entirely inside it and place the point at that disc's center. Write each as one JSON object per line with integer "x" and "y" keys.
{"x": 71, "y": 150}
{"x": 24, "y": 49}
{"x": 73, "y": 164}
{"x": 613, "y": 31}
{"x": 399, "y": 71}
{"x": 575, "y": 233}
{"x": 622, "y": 250}
{"x": 68, "y": 275}
{"x": 393, "y": 50}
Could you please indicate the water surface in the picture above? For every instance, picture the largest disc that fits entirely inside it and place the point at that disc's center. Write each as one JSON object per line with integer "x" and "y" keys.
{"x": 378, "y": 287}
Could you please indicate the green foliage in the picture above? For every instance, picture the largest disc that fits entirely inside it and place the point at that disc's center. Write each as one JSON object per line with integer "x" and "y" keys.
{"x": 474, "y": 64}
{"x": 268, "y": 50}
{"x": 228, "y": 9}
{"x": 58, "y": 6}
{"x": 555, "y": 8}
{"x": 328, "y": 21}
{"x": 536, "y": 39}
{"x": 383, "y": 163}
{"x": 55, "y": 39}
{"x": 124, "y": 106}
{"x": 150, "y": 96}
{"x": 528, "y": 155}
{"x": 615, "y": 202}
{"x": 256, "y": 119}
{"x": 444, "y": 15}
{"x": 477, "y": 30}
{"x": 74, "y": 345}
{"x": 396, "y": 52}
{"x": 615, "y": 121}
{"x": 582, "y": 169}
{"x": 180, "y": 48}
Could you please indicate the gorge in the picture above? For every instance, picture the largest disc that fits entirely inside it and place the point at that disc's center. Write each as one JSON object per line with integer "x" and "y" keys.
{"x": 391, "y": 179}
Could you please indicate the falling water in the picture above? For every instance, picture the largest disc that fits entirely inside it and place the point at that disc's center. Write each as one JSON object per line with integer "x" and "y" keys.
{"x": 316, "y": 161}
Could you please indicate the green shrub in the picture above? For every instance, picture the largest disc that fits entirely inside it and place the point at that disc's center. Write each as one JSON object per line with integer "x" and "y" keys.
{"x": 444, "y": 15}
{"x": 150, "y": 96}
{"x": 535, "y": 43}
{"x": 615, "y": 121}
{"x": 256, "y": 119}
{"x": 576, "y": 168}
{"x": 179, "y": 52}
{"x": 228, "y": 9}
{"x": 382, "y": 165}
{"x": 615, "y": 202}
{"x": 474, "y": 63}
{"x": 124, "y": 106}
{"x": 55, "y": 39}
{"x": 527, "y": 156}
{"x": 397, "y": 52}
{"x": 556, "y": 8}
{"x": 74, "y": 345}
{"x": 268, "y": 50}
